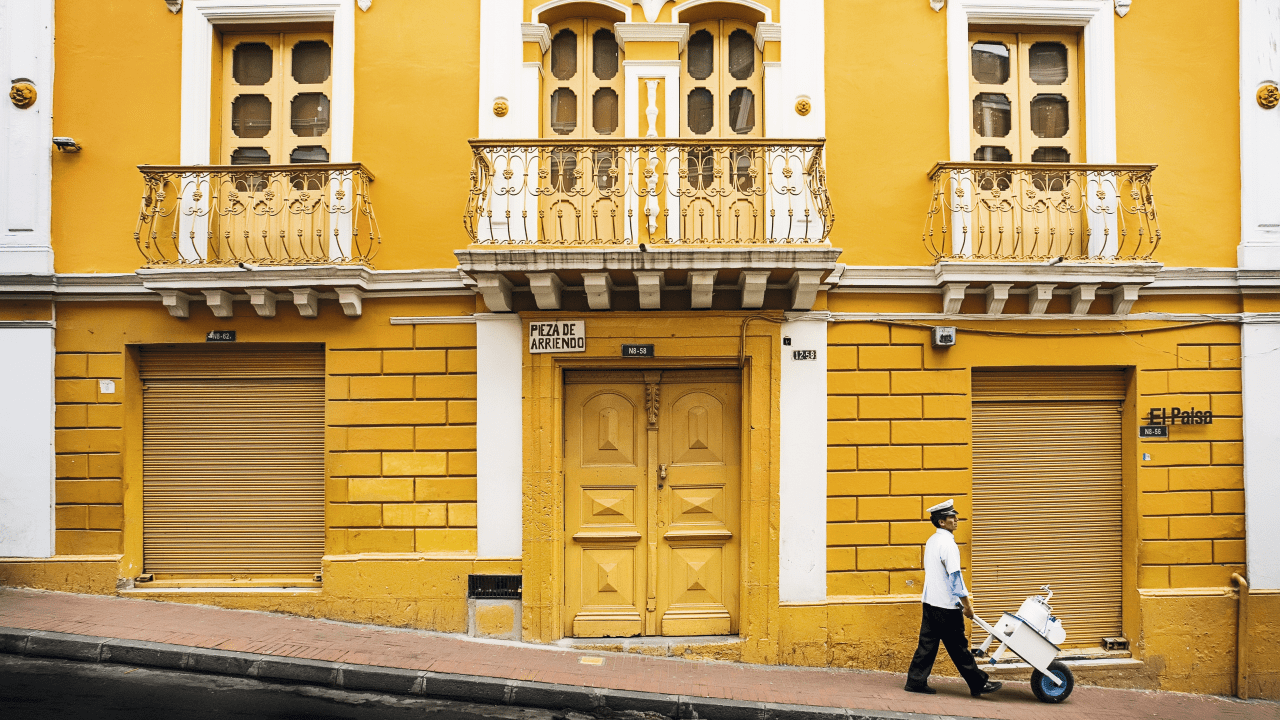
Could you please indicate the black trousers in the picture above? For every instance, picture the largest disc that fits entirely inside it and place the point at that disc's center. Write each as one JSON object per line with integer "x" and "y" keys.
{"x": 948, "y": 626}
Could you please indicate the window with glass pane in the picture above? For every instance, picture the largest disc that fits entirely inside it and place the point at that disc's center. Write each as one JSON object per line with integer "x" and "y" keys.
{"x": 564, "y": 55}
{"x": 252, "y": 63}
{"x": 701, "y": 168}
{"x": 310, "y": 115}
{"x": 604, "y": 111}
{"x": 700, "y": 54}
{"x": 742, "y": 112}
{"x": 564, "y": 111}
{"x": 311, "y": 59}
{"x": 742, "y": 54}
{"x": 604, "y": 54}
{"x": 701, "y": 111}
{"x": 990, "y": 63}
{"x": 251, "y": 116}
{"x": 1025, "y": 92}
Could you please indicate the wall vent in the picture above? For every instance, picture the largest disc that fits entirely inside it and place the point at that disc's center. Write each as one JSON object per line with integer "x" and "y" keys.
{"x": 494, "y": 586}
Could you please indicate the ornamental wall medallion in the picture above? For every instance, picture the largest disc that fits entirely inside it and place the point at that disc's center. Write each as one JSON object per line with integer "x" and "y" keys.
{"x": 23, "y": 95}
{"x": 803, "y": 106}
{"x": 1268, "y": 96}
{"x": 500, "y": 107}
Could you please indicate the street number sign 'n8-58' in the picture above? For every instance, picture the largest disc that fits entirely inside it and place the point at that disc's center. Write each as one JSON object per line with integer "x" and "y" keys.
{"x": 558, "y": 336}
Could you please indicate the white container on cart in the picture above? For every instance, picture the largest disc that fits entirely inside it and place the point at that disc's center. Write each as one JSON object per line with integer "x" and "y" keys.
{"x": 1033, "y": 634}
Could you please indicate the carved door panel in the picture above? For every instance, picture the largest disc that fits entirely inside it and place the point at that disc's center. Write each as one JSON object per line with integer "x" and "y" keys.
{"x": 698, "y": 504}
{"x": 606, "y": 500}
{"x": 651, "y": 503}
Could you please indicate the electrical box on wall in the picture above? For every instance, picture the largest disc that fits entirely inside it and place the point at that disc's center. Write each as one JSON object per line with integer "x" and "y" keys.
{"x": 944, "y": 337}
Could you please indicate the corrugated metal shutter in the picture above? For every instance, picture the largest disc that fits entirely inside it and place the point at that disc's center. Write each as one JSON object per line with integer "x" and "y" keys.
{"x": 233, "y": 461}
{"x": 1047, "y": 496}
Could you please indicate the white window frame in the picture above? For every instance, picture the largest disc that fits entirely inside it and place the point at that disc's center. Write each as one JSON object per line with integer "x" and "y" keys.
{"x": 1096, "y": 19}
{"x": 198, "y": 20}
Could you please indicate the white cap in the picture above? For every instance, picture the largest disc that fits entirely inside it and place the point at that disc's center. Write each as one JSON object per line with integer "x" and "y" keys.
{"x": 946, "y": 508}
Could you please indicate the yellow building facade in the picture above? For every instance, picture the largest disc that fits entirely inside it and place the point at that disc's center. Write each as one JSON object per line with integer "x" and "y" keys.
{"x": 653, "y": 325}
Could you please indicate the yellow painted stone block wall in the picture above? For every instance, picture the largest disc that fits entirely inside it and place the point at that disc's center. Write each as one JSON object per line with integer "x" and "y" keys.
{"x": 1191, "y": 504}
{"x": 402, "y": 445}
{"x": 89, "y": 442}
{"x": 898, "y": 439}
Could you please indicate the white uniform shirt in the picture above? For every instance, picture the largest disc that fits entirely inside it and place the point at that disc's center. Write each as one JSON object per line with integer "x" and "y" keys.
{"x": 941, "y": 559}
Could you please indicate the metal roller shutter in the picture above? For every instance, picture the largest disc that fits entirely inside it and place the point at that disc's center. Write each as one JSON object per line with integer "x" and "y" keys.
{"x": 1047, "y": 496}
{"x": 233, "y": 462}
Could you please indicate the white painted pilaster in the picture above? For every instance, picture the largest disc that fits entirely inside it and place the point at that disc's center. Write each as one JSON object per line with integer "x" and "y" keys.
{"x": 503, "y": 73}
{"x": 803, "y": 72}
{"x": 26, "y": 137}
{"x": 499, "y": 449}
{"x": 26, "y": 442}
{"x": 802, "y": 544}
{"x": 1259, "y": 136}
{"x": 1260, "y": 346}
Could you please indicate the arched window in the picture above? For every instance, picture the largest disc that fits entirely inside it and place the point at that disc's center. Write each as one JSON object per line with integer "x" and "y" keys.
{"x": 583, "y": 81}
{"x": 721, "y": 81}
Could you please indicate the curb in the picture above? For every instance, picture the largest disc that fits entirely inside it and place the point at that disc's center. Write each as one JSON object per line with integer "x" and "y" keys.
{"x": 399, "y": 681}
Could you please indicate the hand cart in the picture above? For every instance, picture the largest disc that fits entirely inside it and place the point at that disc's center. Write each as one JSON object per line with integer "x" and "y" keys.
{"x": 1033, "y": 634}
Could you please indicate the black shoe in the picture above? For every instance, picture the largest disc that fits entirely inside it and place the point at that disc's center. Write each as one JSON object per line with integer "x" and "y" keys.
{"x": 922, "y": 689}
{"x": 990, "y": 687}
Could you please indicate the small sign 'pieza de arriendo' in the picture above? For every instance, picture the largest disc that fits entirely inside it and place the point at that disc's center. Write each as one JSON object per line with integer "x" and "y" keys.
{"x": 1178, "y": 416}
{"x": 559, "y": 336}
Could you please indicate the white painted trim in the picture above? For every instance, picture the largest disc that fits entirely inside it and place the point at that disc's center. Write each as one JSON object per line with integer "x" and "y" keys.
{"x": 434, "y": 320}
{"x": 1097, "y": 19}
{"x": 26, "y": 138}
{"x": 651, "y": 32}
{"x": 651, "y": 8}
{"x": 529, "y": 32}
{"x": 611, "y": 4}
{"x": 26, "y": 442}
{"x": 499, "y": 449}
{"x": 802, "y": 462}
{"x": 690, "y": 4}
{"x": 198, "y": 21}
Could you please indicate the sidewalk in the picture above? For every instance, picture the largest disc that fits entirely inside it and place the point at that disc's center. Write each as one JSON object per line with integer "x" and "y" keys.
{"x": 266, "y": 645}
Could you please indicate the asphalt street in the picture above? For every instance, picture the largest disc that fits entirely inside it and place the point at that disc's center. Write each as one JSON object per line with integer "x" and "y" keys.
{"x": 38, "y": 688}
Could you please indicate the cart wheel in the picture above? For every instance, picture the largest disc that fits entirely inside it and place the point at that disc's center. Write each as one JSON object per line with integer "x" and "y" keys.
{"x": 1044, "y": 688}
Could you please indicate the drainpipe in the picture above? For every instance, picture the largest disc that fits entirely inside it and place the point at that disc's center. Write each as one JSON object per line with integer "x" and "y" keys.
{"x": 1242, "y": 635}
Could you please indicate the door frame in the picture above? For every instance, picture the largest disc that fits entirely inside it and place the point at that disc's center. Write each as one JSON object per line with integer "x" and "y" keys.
{"x": 716, "y": 344}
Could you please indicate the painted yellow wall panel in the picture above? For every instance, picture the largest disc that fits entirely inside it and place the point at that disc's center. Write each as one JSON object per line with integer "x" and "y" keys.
{"x": 1192, "y": 48}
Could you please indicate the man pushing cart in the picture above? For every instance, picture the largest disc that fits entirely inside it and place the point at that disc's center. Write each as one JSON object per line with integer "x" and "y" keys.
{"x": 1032, "y": 633}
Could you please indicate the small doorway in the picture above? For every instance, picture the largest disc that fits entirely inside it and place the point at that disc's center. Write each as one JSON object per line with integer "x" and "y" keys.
{"x": 652, "y": 494}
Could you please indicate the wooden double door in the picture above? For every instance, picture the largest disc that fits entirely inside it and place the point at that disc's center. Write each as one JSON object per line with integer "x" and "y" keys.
{"x": 652, "y": 500}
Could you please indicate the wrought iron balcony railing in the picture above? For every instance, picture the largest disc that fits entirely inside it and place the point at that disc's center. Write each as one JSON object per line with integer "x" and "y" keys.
{"x": 259, "y": 214}
{"x": 1011, "y": 212}
{"x": 655, "y": 191}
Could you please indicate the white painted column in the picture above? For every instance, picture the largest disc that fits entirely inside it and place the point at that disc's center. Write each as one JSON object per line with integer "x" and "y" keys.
{"x": 499, "y": 438}
{"x": 1260, "y": 346}
{"x": 26, "y": 137}
{"x": 802, "y": 545}
{"x": 1259, "y": 136}
{"x": 26, "y": 441}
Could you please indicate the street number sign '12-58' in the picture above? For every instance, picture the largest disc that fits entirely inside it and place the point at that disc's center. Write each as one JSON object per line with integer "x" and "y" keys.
{"x": 558, "y": 336}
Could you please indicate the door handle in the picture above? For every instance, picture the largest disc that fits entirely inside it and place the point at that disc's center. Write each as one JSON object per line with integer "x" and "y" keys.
{"x": 662, "y": 476}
